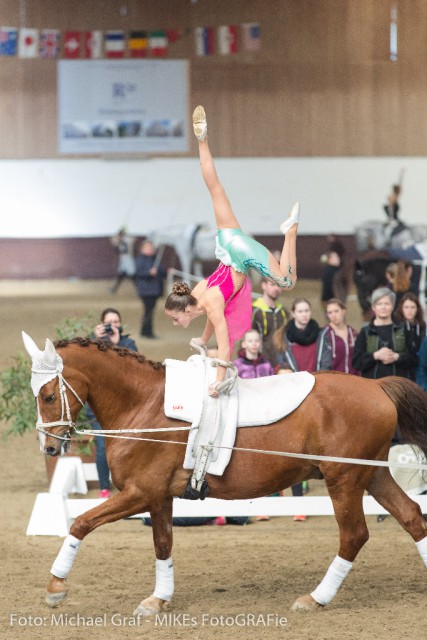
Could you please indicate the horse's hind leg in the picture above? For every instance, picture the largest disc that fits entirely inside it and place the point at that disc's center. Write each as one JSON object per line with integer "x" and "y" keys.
{"x": 161, "y": 521}
{"x": 387, "y": 492}
{"x": 348, "y": 507}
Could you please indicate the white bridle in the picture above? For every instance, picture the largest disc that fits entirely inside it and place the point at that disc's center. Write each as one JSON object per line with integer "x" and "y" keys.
{"x": 46, "y": 366}
{"x": 65, "y": 408}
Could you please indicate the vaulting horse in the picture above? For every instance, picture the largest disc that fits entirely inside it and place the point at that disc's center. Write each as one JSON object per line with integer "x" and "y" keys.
{"x": 343, "y": 416}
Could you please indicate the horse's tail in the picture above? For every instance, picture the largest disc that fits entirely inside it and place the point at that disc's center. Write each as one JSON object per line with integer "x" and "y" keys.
{"x": 411, "y": 404}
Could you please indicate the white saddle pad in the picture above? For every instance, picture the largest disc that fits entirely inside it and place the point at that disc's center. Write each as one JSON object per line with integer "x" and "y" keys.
{"x": 261, "y": 401}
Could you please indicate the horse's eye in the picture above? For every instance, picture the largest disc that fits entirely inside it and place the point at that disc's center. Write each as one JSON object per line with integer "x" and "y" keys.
{"x": 51, "y": 398}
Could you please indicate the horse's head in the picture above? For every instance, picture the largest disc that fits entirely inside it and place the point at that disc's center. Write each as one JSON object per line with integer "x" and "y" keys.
{"x": 58, "y": 404}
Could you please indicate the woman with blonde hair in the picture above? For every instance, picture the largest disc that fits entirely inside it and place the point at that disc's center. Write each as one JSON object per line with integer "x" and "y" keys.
{"x": 399, "y": 276}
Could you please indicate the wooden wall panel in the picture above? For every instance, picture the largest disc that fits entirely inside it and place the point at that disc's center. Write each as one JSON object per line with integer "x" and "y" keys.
{"x": 322, "y": 85}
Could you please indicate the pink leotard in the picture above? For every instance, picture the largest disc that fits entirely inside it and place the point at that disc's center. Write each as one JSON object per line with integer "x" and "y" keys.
{"x": 238, "y": 307}
{"x": 223, "y": 279}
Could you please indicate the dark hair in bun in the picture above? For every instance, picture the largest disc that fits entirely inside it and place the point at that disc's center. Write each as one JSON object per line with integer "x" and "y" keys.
{"x": 180, "y": 298}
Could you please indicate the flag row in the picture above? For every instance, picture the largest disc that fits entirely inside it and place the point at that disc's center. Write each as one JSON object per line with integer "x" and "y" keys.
{"x": 52, "y": 43}
{"x": 227, "y": 39}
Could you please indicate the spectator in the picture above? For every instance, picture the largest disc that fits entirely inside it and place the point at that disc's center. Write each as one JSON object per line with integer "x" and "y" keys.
{"x": 268, "y": 315}
{"x": 296, "y": 346}
{"x": 150, "y": 277}
{"x": 109, "y": 329}
{"x": 126, "y": 265}
{"x": 421, "y": 376}
{"x": 398, "y": 275}
{"x": 250, "y": 362}
{"x": 336, "y": 341}
{"x": 410, "y": 313}
{"x": 296, "y": 343}
{"x": 382, "y": 348}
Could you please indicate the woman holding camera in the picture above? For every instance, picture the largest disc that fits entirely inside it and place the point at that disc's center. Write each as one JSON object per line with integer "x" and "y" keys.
{"x": 109, "y": 329}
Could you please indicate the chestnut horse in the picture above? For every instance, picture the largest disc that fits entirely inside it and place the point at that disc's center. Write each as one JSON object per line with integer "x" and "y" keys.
{"x": 343, "y": 416}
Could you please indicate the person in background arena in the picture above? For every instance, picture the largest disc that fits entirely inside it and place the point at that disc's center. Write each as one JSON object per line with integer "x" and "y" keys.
{"x": 268, "y": 315}
{"x": 336, "y": 341}
{"x": 109, "y": 329}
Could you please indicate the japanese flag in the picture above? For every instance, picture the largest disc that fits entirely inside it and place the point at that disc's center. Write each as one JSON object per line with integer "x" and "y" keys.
{"x": 28, "y": 43}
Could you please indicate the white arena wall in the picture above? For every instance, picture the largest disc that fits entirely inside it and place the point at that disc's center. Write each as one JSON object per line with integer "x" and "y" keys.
{"x": 73, "y": 198}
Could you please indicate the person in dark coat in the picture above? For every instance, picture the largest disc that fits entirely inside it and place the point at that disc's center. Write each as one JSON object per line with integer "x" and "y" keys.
{"x": 109, "y": 329}
{"x": 149, "y": 280}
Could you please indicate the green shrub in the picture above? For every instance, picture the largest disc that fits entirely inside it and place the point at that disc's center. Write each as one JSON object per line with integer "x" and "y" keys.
{"x": 17, "y": 406}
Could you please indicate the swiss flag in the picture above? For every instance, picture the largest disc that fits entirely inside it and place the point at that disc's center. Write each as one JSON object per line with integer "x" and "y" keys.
{"x": 72, "y": 44}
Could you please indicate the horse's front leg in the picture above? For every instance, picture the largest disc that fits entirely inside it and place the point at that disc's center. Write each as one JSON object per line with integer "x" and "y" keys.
{"x": 161, "y": 521}
{"x": 122, "y": 505}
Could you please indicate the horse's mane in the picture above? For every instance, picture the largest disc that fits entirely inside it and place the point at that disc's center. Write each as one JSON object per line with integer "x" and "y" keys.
{"x": 103, "y": 345}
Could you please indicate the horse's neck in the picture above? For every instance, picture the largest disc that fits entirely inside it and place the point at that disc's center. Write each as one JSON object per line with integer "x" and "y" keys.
{"x": 119, "y": 387}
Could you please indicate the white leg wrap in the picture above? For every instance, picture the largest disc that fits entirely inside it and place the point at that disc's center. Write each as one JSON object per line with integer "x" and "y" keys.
{"x": 164, "y": 579}
{"x": 422, "y": 549}
{"x": 332, "y": 581}
{"x": 65, "y": 558}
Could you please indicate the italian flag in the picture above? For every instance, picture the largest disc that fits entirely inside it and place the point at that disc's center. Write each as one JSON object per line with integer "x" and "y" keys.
{"x": 158, "y": 44}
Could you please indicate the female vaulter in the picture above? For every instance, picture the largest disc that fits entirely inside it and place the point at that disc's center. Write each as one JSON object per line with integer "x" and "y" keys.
{"x": 225, "y": 297}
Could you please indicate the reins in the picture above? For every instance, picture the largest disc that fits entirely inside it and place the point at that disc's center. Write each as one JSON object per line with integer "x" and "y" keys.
{"x": 285, "y": 454}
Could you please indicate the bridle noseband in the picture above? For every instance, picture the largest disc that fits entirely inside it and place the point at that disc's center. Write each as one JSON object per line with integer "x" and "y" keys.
{"x": 65, "y": 409}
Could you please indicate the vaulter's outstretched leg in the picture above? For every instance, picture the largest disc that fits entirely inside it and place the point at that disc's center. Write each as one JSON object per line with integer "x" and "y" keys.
{"x": 256, "y": 255}
{"x": 224, "y": 216}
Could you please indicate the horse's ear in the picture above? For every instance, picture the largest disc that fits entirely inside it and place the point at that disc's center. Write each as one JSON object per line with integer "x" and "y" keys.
{"x": 30, "y": 345}
{"x": 49, "y": 354}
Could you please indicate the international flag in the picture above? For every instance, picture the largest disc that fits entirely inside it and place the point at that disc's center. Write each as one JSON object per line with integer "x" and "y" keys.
{"x": 114, "y": 44}
{"x": 158, "y": 44}
{"x": 49, "y": 43}
{"x": 227, "y": 39}
{"x": 72, "y": 44}
{"x": 205, "y": 41}
{"x": 251, "y": 36}
{"x": 138, "y": 44}
{"x": 28, "y": 46}
{"x": 8, "y": 41}
{"x": 92, "y": 44}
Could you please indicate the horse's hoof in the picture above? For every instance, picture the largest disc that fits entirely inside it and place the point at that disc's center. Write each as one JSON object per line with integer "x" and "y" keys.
{"x": 55, "y": 599}
{"x": 306, "y": 603}
{"x": 150, "y": 606}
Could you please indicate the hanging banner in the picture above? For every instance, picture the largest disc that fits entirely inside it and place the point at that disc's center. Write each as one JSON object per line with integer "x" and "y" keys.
{"x": 122, "y": 106}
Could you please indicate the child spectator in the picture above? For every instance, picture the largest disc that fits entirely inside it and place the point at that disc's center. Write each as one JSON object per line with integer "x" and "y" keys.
{"x": 250, "y": 362}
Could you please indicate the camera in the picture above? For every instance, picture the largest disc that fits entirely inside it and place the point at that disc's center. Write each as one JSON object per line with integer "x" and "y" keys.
{"x": 108, "y": 329}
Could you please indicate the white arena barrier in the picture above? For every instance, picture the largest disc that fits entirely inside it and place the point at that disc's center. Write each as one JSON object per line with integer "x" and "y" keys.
{"x": 54, "y": 511}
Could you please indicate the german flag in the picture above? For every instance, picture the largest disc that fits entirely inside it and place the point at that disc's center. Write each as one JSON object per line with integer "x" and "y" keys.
{"x": 138, "y": 44}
